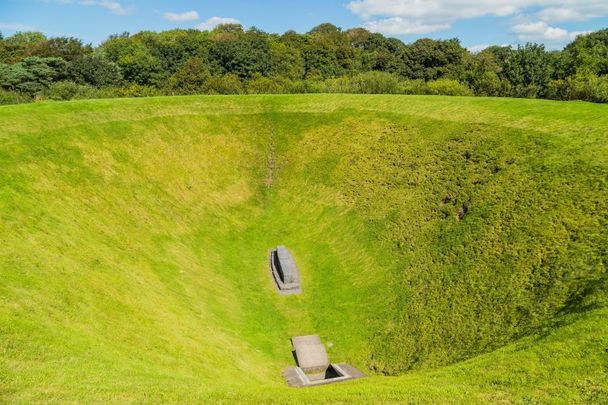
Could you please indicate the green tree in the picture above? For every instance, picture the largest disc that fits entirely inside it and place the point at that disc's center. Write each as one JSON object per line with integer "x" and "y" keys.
{"x": 173, "y": 48}
{"x": 95, "y": 69}
{"x": 136, "y": 62}
{"x": 429, "y": 59}
{"x": 328, "y": 53}
{"x": 376, "y": 51}
{"x": 286, "y": 61}
{"x": 529, "y": 70}
{"x": 242, "y": 53}
{"x": 229, "y": 58}
{"x": 20, "y": 45}
{"x": 32, "y": 75}
{"x": 482, "y": 74}
{"x": 62, "y": 47}
{"x": 192, "y": 77}
{"x": 588, "y": 54}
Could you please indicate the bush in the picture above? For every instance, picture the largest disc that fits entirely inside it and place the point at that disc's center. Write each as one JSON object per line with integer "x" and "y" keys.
{"x": 133, "y": 90}
{"x": 269, "y": 85}
{"x": 448, "y": 87}
{"x": 338, "y": 85}
{"x": 488, "y": 84}
{"x": 586, "y": 87}
{"x": 227, "y": 84}
{"x": 13, "y": 97}
{"x": 443, "y": 87}
{"x": 558, "y": 90}
{"x": 525, "y": 91}
{"x": 68, "y": 91}
{"x": 418, "y": 86}
{"x": 306, "y": 86}
{"x": 376, "y": 83}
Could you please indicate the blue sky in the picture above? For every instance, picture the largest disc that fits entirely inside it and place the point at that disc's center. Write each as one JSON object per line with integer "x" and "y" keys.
{"x": 477, "y": 23}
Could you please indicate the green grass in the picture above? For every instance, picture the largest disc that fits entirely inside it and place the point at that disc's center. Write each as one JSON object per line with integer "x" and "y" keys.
{"x": 455, "y": 249}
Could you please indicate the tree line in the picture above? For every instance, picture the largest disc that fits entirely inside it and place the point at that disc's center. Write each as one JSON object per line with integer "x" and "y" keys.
{"x": 232, "y": 60}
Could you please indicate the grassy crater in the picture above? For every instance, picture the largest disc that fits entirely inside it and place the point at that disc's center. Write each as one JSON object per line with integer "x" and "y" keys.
{"x": 457, "y": 243}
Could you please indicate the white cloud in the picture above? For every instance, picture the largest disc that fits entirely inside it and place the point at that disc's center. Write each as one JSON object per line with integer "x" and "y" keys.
{"x": 570, "y": 10}
{"x": 114, "y": 7}
{"x": 437, "y": 10}
{"x": 481, "y": 47}
{"x": 402, "y": 26}
{"x": 575, "y": 34}
{"x": 555, "y": 14}
{"x": 541, "y": 31}
{"x": 213, "y": 22}
{"x": 478, "y": 48}
{"x": 16, "y": 27}
{"x": 185, "y": 16}
{"x": 399, "y": 17}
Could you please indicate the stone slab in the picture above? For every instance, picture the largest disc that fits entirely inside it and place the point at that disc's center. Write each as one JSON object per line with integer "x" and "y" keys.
{"x": 283, "y": 288}
{"x": 310, "y": 354}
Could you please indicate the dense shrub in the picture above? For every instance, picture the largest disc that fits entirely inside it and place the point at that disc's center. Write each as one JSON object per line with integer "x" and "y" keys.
{"x": 269, "y": 85}
{"x": 376, "y": 83}
{"x": 13, "y": 97}
{"x": 307, "y": 86}
{"x": 69, "y": 91}
{"x": 588, "y": 87}
{"x": 338, "y": 85}
{"x": 447, "y": 87}
{"x": 227, "y": 84}
{"x": 444, "y": 87}
{"x": 489, "y": 84}
{"x": 417, "y": 86}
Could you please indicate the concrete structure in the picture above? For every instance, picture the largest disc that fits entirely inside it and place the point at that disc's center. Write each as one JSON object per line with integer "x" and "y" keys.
{"x": 314, "y": 367}
{"x": 285, "y": 273}
{"x": 311, "y": 356}
{"x": 296, "y": 378}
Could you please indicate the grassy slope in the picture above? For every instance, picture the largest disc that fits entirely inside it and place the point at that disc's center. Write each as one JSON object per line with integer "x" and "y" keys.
{"x": 134, "y": 234}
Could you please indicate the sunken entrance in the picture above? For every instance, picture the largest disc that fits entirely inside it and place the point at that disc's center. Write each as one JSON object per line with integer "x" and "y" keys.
{"x": 313, "y": 366}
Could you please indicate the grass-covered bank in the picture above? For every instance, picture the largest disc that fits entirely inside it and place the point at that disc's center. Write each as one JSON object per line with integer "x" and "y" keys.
{"x": 429, "y": 231}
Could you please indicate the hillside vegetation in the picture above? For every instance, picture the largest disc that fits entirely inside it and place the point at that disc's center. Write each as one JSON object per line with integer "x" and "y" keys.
{"x": 453, "y": 248}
